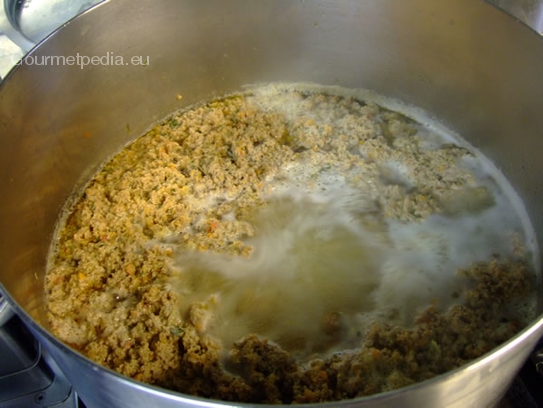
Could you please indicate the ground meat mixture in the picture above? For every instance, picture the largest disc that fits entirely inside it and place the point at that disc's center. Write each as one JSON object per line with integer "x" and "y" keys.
{"x": 196, "y": 184}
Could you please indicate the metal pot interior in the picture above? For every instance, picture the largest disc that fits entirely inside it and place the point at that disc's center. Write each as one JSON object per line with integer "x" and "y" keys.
{"x": 468, "y": 65}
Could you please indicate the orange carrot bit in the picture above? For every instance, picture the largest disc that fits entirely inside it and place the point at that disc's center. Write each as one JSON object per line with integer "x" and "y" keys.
{"x": 212, "y": 226}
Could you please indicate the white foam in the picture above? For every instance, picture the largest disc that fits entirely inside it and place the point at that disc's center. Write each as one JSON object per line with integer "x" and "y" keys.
{"x": 313, "y": 257}
{"x": 316, "y": 257}
{"x": 310, "y": 259}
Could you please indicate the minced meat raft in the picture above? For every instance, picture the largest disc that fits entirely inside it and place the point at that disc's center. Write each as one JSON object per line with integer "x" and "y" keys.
{"x": 194, "y": 183}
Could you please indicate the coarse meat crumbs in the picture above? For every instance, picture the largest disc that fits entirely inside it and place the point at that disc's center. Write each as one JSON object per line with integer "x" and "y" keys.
{"x": 196, "y": 182}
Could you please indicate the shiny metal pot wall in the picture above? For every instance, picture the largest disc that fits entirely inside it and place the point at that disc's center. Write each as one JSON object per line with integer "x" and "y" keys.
{"x": 470, "y": 65}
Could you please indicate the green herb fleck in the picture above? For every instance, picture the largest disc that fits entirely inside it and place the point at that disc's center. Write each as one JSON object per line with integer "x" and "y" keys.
{"x": 176, "y": 331}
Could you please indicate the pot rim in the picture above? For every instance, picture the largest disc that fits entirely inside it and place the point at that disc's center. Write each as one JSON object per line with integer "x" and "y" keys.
{"x": 535, "y": 328}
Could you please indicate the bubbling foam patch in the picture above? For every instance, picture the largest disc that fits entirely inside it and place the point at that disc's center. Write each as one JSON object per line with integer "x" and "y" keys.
{"x": 326, "y": 263}
{"x": 318, "y": 267}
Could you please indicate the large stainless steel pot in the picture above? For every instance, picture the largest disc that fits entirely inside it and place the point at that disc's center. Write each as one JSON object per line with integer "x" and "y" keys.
{"x": 473, "y": 67}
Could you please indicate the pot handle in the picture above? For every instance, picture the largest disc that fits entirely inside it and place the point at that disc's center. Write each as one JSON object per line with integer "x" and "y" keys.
{"x": 11, "y": 11}
{"x": 529, "y": 12}
{"x": 9, "y": 25}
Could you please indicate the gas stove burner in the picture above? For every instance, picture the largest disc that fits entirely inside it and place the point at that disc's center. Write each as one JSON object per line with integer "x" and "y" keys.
{"x": 28, "y": 375}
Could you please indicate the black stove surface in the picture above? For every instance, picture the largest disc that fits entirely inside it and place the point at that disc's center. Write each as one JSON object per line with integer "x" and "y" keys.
{"x": 527, "y": 388}
{"x": 28, "y": 376}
